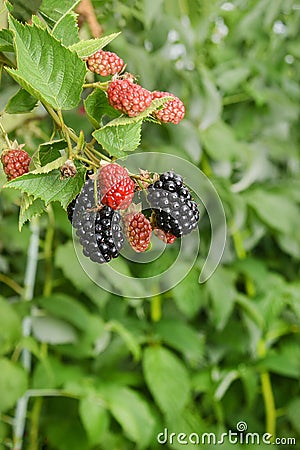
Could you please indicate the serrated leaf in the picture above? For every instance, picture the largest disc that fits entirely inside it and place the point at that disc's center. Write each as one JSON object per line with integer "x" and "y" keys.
{"x": 66, "y": 30}
{"x": 46, "y": 69}
{"x": 56, "y": 164}
{"x": 47, "y": 152}
{"x": 6, "y": 41}
{"x": 119, "y": 140}
{"x": 89, "y": 47}
{"x": 167, "y": 379}
{"x": 56, "y": 9}
{"x": 21, "y": 102}
{"x": 96, "y": 105}
{"x": 29, "y": 208}
{"x": 39, "y": 22}
{"x": 49, "y": 187}
{"x": 125, "y": 120}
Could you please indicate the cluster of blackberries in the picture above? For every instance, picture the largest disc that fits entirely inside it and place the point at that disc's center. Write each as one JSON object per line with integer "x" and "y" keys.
{"x": 174, "y": 211}
{"x": 99, "y": 230}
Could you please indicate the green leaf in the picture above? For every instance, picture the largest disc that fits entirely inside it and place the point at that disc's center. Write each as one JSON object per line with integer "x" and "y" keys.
{"x": 284, "y": 218}
{"x": 13, "y": 383}
{"x": 167, "y": 379}
{"x": 46, "y": 69}
{"x": 66, "y": 30}
{"x": 47, "y": 152}
{"x": 10, "y": 327}
{"x": 56, "y": 164}
{"x": 39, "y": 22}
{"x": 55, "y": 10}
{"x": 221, "y": 144}
{"x": 183, "y": 338}
{"x": 285, "y": 361}
{"x": 6, "y": 41}
{"x": 119, "y": 140}
{"x": 96, "y": 105}
{"x": 53, "y": 330}
{"x": 94, "y": 416}
{"x": 223, "y": 294}
{"x": 30, "y": 208}
{"x": 49, "y": 187}
{"x": 293, "y": 411}
{"x": 67, "y": 261}
{"x": 132, "y": 412}
{"x": 89, "y": 47}
{"x": 189, "y": 288}
{"x": 21, "y": 102}
{"x": 127, "y": 337}
{"x": 67, "y": 308}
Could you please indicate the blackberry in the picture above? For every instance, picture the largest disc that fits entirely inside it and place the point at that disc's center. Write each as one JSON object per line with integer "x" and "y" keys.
{"x": 71, "y": 206}
{"x": 174, "y": 211}
{"x": 99, "y": 231}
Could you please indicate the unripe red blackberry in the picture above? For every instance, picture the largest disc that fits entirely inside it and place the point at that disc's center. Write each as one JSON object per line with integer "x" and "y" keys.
{"x": 116, "y": 187}
{"x": 138, "y": 231}
{"x": 15, "y": 162}
{"x": 172, "y": 111}
{"x": 128, "y": 97}
{"x": 105, "y": 63}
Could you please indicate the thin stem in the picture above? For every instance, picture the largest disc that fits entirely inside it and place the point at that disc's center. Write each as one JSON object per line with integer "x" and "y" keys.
{"x": 11, "y": 283}
{"x": 96, "y": 152}
{"x": 70, "y": 133}
{"x": 29, "y": 282}
{"x": 156, "y": 312}
{"x": 98, "y": 85}
{"x": 268, "y": 395}
{"x": 238, "y": 243}
{"x": 81, "y": 158}
{"x": 5, "y": 135}
{"x": 35, "y": 419}
{"x": 66, "y": 134}
{"x": 236, "y": 98}
{"x": 48, "y": 252}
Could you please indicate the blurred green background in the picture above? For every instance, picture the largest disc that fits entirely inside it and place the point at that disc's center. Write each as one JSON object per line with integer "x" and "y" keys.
{"x": 109, "y": 372}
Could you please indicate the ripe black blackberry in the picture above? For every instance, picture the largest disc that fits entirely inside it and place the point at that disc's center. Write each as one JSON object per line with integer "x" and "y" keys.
{"x": 71, "y": 206}
{"x": 174, "y": 211}
{"x": 99, "y": 231}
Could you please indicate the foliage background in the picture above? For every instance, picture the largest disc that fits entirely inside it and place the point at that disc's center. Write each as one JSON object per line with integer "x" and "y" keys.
{"x": 199, "y": 358}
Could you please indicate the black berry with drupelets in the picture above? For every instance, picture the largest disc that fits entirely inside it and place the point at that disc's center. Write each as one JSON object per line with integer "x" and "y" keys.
{"x": 174, "y": 211}
{"x": 98, "y": 228}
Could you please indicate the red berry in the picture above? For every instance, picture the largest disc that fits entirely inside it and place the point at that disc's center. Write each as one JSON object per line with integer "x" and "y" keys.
{"x": 128, "y": 97}
{"x": 105, "y": 63}
{"x": 138, "y": 231}
{"x": 15, "y": 163}
{"x": 166, "y": 236}
{"x": 172, "y": 111}
{"x": 116, "y": 187}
